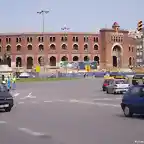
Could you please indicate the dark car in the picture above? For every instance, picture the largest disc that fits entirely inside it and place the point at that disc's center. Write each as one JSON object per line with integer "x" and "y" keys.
{"x": 133, "y": 101}
{"x": 138, "y": 79}
{"x": 6, "y": 99}
{"x": 105, "y": 84}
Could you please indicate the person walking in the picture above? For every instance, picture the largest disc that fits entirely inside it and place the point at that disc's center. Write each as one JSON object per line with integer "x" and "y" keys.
{"x": 8, "y": 83}
{"x": 14, "y": 82}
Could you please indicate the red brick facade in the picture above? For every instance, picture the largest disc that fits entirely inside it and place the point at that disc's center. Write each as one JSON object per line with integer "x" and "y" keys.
{"x": 54, "y": 47}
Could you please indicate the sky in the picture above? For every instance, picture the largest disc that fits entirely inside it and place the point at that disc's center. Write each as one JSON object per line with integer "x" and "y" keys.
{"x": 78, "y": 15}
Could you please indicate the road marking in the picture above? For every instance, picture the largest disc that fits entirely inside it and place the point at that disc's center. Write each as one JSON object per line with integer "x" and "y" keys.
{"x": 48, "y": 101}
{"x": 3, "y": 122}
{"x": 106, "y": 99}
{"x": 61, "y": 100}
{"x": 30, "y": 132}
{"x": 28, "y": 96}
{"x": 74, "y": 101}
{"x": 34, "y": 102}
{"x": 92, "y": 103}
{"x": 16, "y": 94}
{"x": 20, "y": 102}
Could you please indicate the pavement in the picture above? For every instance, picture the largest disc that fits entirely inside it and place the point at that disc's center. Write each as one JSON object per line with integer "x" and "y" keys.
{"x": 68, "y": 112}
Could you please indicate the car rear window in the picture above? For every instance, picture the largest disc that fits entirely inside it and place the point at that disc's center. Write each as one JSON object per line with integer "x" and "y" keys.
{"x": 121, "y": 82}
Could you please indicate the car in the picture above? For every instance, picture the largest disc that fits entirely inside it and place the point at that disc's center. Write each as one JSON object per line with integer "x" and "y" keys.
{"x": 6, "y": 99}
{"x": 105, "y": 84}
{"x": 118, "y": 75}
{"x": 118, "y": 86}
{"x": 133, "y": 101}
{"x": 138, "y": 79}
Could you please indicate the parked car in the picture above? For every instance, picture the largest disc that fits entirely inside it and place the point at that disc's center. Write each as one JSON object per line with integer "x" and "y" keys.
{"x": 118, "y": 86}
{"x": 105, "y": 84}
{"x": 138, "y": 79}
{"x": 6, "y": 99}
{"x": 133, "y": 101}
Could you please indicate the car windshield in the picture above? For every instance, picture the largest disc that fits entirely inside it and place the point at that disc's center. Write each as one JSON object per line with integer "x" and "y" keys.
{"x": 121, "y": 82}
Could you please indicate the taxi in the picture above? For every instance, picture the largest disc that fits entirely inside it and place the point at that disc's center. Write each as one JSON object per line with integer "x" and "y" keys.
{"x": 138, "y": 79}
{"x": 118, "y": 75}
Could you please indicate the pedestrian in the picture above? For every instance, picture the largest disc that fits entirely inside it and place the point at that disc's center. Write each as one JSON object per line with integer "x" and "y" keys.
{"x": 14, "y": 82}
{"x": 8, "y": 83}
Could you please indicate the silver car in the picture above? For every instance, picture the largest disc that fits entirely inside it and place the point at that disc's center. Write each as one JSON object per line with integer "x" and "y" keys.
{"x": 118, "y": 86}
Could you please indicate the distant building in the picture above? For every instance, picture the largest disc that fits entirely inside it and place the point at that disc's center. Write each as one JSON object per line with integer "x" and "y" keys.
{"x": 110, "y": 47}
{"x": 139, "y": 47}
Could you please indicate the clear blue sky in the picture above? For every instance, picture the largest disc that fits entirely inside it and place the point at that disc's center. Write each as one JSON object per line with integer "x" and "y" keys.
{"x": 78, "y": 15}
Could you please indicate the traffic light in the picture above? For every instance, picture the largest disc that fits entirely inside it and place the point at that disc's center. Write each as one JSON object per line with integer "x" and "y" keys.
{"x": 140, "y": 26}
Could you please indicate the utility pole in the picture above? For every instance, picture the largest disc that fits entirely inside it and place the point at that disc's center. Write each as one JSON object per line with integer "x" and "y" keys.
{"x": 141, "y": 46}
{"x": 43, "y": 12}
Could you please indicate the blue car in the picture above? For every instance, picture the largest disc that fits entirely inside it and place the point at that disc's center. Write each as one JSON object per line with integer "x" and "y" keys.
{"x": 133, "y": 101}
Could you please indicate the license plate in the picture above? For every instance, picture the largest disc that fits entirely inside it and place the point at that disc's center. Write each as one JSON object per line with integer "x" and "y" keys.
{"x": 3, "y": 106}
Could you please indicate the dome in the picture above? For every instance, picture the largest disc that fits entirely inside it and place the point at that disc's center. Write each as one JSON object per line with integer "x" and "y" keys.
{"x": 115, "y": 24}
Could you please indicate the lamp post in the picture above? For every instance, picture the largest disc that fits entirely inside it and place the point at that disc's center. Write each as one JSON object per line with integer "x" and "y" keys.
{"x": 43, "y": 12}
{"x": 65, "y": 30}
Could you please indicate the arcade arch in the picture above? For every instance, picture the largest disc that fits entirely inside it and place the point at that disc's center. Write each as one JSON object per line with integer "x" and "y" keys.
{"x": 116, "y": 56}
{"x": 75, "y": 58}
{"x": 29, "y": 62}
{"x": 52, "y": 61}
{"x": 96, "y": 58}
{"x": 64, "y": 58}
{"x": 18, "y": 62}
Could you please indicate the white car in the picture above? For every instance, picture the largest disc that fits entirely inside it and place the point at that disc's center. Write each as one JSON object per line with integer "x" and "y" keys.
{"x": 117, "y": 86}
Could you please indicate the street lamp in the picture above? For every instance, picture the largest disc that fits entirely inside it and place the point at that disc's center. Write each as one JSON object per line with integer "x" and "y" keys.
{"x": 65, "y": 29}
{"x": 43, "y": 12}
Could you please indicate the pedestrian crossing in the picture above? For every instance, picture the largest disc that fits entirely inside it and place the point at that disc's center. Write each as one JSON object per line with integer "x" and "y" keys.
{"x": 28, "y": 98}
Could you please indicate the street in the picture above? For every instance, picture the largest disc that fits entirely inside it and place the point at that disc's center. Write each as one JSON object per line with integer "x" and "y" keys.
{"x": 68, "y": 112}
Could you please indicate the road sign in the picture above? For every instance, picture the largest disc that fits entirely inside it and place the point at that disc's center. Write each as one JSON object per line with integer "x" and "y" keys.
{"x": 38, "y": 69}
{"x": 87, "y": 68}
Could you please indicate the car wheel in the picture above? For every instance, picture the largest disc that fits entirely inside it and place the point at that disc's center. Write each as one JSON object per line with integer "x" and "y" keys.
{"x": 8, "y": 109}
{"x": 107, "y": 91}
{"x": 127, "y": 111}
{"x": 103, "y": 89}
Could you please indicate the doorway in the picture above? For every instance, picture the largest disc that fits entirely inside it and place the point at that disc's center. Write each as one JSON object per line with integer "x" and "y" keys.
{"x": 114, "y": 61}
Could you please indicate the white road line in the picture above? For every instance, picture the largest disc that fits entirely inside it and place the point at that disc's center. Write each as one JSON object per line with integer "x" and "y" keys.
{"x": 30, "y": 132}
{"x": 34, "y": 102}
{"x": 20, "y": 102}
{"x": 74, "y": 101}
{"x": 92, "y": 103}
{"x": 16, "y": 94}
{"x": 28, "y": 96}
{"x": 48, "y": 101}
{"x": 3, "y": 122}
{"x": 106, "y": 99}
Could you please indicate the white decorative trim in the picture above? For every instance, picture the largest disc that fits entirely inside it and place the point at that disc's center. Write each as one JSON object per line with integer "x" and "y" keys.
{"x": 75, "y": 44}
{"x": 29, "y": 56}
{"x": 40, "y": 44}
{"x": 64, "y": 44}
{"x": 18, "y": 45}
{"x": 96, "y": 44}
{"x": 18, "y": 56}
{"x": 29, "y": 44}
{"x": 52, "y": 44}
{"x": 8, "y": 45}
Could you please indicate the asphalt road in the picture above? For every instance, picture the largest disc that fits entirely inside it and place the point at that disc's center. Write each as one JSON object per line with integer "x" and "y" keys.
{"x": 68, "y": 112}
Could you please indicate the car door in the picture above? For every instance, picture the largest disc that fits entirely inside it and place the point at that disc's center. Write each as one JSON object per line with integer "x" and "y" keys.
{"x": 136, "y": 100}
{"x": 110, "y": 87}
